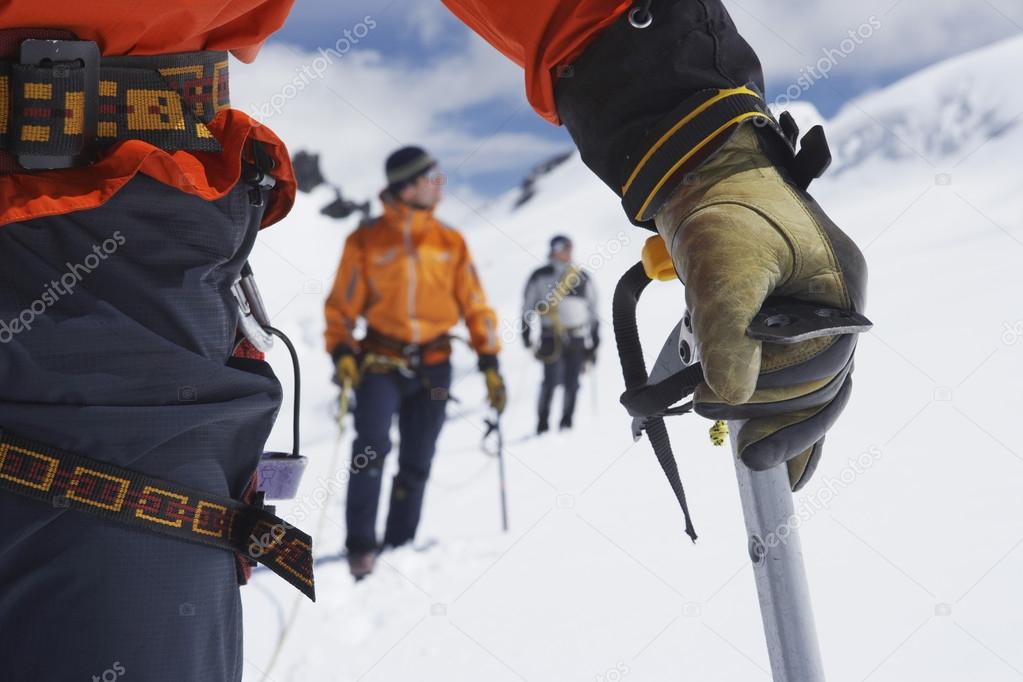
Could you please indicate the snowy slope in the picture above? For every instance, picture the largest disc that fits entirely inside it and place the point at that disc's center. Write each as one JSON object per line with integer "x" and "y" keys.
{"x": 944, "y": 111}
{"x": 913, "y": 555}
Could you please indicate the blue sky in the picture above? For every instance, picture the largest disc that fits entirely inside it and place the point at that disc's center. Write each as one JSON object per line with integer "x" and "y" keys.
{"x": 417, "y": 37}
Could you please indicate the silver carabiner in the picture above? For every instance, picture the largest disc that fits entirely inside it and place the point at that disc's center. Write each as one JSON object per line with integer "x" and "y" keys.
{"x": 253, "y": 319}
{"x": 637, "y": 18}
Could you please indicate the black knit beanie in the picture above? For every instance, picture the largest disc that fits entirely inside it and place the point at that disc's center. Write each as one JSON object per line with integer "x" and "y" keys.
{"x": 405, "y": 166}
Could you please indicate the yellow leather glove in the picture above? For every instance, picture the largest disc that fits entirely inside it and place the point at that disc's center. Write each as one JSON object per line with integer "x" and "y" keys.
{"x": 347, "y": 370}
{"x": 497, "y": 395}
{"x": 739, "y": 232}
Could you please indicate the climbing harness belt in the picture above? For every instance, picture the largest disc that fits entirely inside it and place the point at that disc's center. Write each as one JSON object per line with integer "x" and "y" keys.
{"x": 69, "y": 480}
{"x": 61, "y": 104}
{"x": 391, "y": 353}
{"x": 561, "y": 289}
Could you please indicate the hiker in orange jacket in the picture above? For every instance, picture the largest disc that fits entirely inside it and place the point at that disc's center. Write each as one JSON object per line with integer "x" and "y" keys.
{"x": 411, "y": 278}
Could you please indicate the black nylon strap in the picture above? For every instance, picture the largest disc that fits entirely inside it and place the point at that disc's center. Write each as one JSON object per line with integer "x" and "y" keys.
{"x": 630, "y": 352}
{"x": 407, "y": 350}
{"x": 653, "y": 399}
{"x": 67, "y": 480}
{"x": 699, "y": 126}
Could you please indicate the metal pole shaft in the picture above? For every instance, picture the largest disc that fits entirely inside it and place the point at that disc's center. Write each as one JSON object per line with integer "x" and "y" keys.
{"x": 780, "y": 575}
{"x": 500, "y": 469}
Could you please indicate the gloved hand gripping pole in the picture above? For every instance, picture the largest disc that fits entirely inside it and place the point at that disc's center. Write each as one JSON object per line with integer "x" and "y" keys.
{"x": 774, "y": 545}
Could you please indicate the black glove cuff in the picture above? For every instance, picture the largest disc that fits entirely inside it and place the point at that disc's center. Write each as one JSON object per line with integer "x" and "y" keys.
{"x": 631, "y": 86}
{"x": 487, "y": 361}
{"x": 340, "y": 351}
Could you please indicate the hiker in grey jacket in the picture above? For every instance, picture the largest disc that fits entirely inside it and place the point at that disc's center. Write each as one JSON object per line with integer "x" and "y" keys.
{"x": 561, "y": 299}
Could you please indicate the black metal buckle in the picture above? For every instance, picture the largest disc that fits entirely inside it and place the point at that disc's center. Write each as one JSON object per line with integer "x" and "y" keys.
{"x": 413, "y": 353}
{"x": 67, "y": 55}
{"x": 257, "y": 175}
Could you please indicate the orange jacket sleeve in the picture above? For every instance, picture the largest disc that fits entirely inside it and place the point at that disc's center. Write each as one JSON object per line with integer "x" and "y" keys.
{"x": 539, "y": 35}
{"x": 347, "y": 297}
{"x": 148, "y": 27}
{"x": 157, "y": 26}
{"x": 479, "y": 317}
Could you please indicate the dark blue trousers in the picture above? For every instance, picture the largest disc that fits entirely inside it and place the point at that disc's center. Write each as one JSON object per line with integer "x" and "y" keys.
{"x": 564, "y": 371}
{"x": 419, "y": 403}
{"x": 125, "y": 325}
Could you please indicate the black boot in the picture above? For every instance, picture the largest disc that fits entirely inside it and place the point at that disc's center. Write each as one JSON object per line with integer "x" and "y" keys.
{"x": 360, "y": 564}
{"x": 566, "y": 422}
{"x": 542, "y": 427}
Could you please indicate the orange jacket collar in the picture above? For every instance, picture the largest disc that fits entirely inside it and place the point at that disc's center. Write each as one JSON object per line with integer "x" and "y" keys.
{"x": 398, "y": 214}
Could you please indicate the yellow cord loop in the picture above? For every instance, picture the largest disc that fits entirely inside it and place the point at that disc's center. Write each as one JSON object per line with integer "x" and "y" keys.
{"x": 719, "y": 432}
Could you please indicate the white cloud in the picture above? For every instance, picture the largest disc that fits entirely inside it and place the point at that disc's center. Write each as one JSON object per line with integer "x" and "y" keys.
{"x": 428, "y": 20}
{"x": 374, "y": 104}
{"x": 367, "y": 106}
{"x": 787, "y": 35}
{"x": 911, "y": 33}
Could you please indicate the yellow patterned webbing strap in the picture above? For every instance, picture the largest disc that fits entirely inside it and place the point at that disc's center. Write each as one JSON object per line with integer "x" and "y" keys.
{"x": 165, "y": 100}
{"x": 64, "y": 479}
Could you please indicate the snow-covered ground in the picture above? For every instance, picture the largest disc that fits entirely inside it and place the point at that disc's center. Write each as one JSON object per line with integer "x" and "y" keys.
{"x": 912, "y": 527}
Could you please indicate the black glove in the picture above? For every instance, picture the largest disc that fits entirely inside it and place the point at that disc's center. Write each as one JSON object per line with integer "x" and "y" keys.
{"x": 497, "y": 395}
{"x": 346, "y": 366}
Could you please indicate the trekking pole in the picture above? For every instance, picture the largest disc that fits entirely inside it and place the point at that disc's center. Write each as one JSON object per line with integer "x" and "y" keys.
{"x": 494, "y": 426}
{"x": 777, "y": 557}
{"x": 594, "y": 389}
{"x": 766, "y": 496}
